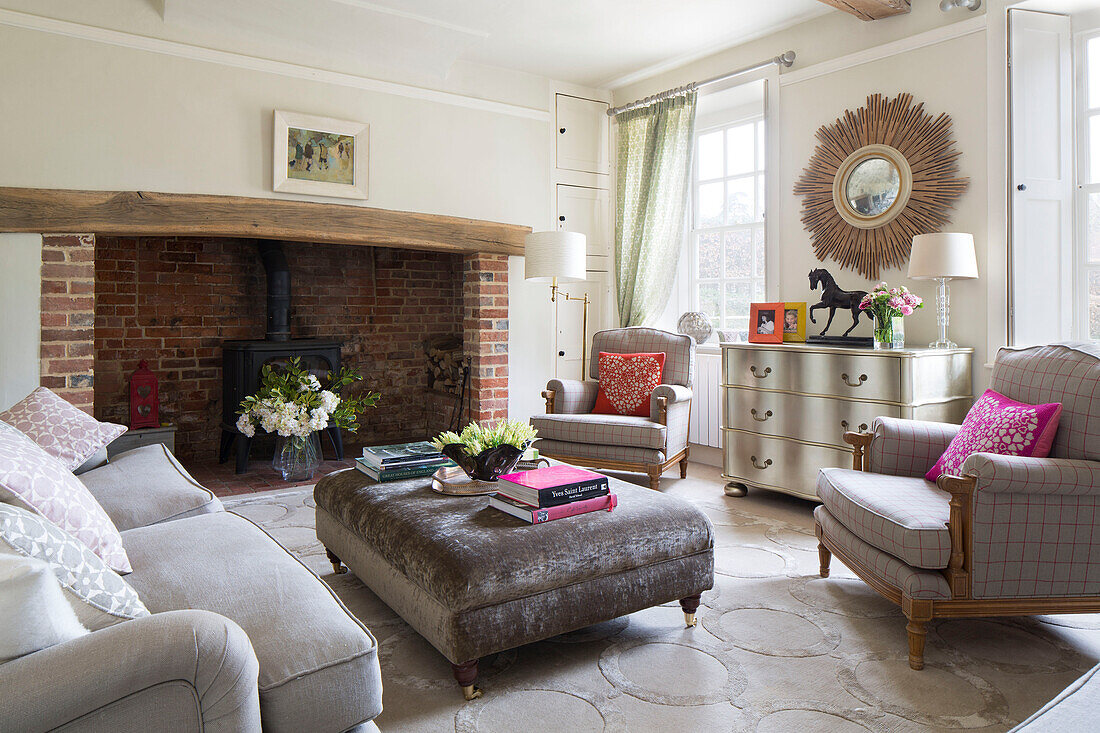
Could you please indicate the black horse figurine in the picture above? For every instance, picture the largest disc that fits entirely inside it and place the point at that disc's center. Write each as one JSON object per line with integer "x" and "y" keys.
{"x": 832, "y": 297}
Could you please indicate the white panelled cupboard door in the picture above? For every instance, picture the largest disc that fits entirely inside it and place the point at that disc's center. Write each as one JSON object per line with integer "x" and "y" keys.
{"x": 1041, "y": 252}
{"x": 583, "y": 129}
{"x": 587, "y": 210}
{"x": 569, "y": 318}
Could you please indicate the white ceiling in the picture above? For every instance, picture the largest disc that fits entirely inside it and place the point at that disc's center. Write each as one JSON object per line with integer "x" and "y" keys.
{"x": 599, "y": 43}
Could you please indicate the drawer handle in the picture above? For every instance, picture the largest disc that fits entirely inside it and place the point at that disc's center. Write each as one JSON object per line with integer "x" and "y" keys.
{"x": 767, "y": 371}
{"x": 760, "y": 419}
{"x": 767, "y": 462}
{"x": 862, "y": 425}
{"x": 862, "y": 379}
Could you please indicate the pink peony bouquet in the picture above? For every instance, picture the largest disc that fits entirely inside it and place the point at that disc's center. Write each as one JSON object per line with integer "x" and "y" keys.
{"x": 886, "y": 302}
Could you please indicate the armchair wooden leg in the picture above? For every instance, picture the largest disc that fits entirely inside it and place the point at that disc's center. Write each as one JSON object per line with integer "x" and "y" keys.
{"x": 654, "y": 477}
{"x": 684, "y": 467}
{"x": 825, "y": 557}
{"x": 918, "y": 612}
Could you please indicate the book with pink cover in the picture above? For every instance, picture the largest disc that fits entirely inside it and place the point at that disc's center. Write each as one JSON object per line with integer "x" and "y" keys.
{"x": 535, "y": 515}
{"x": 553, "y": 485}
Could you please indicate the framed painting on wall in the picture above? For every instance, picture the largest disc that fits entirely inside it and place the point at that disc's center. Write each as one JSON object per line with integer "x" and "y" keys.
{"x": 766, "y": 323}
{"x": 320, "y": 155}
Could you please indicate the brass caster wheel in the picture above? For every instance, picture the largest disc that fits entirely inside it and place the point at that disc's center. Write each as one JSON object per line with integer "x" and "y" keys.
{"x": 471, "y": 692}
{"x": 735, "y": 489}
{"x": 689, "y": 619}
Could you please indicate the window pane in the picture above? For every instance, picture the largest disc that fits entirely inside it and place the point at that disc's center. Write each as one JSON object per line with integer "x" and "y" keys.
{"x": 1094, "y": 304}
{"x": 740, "y": 150}
{"x": 738, "y": 298}
{"x": 1092, "y": 228}
{"x": 760, "y": 148}
{"x": 710, "y": 205}
{"x": 709, "y": 293}
{"x": 739, "y": 253}
{"x": 758, "y": 250}
{"x": 1094, "y": 148}
{"x": 760, "y": 200}
{"x": 1093, "y": 51}
{"x": 710, "y": 155}
{"x": 710, "y": 255}
{"x": 740, "y": 200}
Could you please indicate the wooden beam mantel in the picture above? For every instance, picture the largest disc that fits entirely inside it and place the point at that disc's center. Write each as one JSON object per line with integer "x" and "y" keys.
{"x": 142, "y": 213}
{"x": 870, "y": 9}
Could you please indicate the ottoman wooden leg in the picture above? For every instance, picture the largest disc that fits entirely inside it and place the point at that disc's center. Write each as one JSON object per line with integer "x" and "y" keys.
{"x": 690, "y": 606}
{"x": 337, "y": 564}
{"x": 466, "y": 674}
{"x": 824, "y": 556}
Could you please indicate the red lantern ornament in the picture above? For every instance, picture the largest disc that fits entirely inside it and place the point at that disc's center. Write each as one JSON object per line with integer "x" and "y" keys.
{"x": 144, "y": 398}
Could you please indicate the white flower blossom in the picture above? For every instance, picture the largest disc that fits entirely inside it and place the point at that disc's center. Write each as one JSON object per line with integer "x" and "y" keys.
{"x": 329, "y": 401}
{"x": 244, "y": 424}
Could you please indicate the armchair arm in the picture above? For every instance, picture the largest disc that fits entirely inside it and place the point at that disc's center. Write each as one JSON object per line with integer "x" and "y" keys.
{"x": 907, "y": 447}
{"x": 570, "y": 396}
{"x": 193, "y": 662}
{"x": 1021, "y": 475}
{"x": 670, "y": 405}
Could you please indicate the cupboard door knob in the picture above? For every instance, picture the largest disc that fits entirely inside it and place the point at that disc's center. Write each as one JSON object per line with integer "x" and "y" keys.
{"x": 561, "y": 130}
{"x": 1022, "y": 187}
{"x": 561, "y": 353}
{"x": 767, "y": 462}
{"x": 561, "y": 218}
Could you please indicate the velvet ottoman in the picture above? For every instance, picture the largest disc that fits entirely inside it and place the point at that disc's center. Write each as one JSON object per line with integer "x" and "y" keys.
{"x": 474, "y": 581}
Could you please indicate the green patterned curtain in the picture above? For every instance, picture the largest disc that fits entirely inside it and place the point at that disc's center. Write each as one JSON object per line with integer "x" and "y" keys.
{"x": 654, "y": 167}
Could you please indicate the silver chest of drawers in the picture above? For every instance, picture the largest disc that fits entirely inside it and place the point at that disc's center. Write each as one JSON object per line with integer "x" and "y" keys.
{"x": 786, "y": 407}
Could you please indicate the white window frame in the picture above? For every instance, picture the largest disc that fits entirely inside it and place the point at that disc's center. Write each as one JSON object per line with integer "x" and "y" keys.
{"x": 757, "y": 228}
{"x": 1082, "y": 113}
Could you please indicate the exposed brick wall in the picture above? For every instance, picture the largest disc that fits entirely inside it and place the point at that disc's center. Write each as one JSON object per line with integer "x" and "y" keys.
{"x": 485, "y": 334}
{"x": 173, "y": 301}
{"x": 68, "y": 302}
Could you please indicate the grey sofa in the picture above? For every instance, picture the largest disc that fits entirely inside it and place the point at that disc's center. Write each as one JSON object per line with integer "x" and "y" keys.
{"x": 1076, "y": 708}
{"x": 242, "y": 634}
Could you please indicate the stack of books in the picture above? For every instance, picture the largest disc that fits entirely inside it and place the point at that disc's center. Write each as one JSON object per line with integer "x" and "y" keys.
{"x": 554, "y": 492}
{"x": 401, "y": 461}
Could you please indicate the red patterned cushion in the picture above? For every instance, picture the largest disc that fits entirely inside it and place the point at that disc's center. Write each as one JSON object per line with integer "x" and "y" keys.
{"x": 70, "y": 435}
{"x": 626, "y": 382}
{"x": 1001, "y": 425}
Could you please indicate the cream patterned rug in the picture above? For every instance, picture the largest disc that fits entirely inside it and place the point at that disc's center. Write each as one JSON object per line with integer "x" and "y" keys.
{"x": 778, "y": 648}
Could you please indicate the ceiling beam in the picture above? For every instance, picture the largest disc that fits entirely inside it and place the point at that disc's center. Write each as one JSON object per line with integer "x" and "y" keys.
{"x": 870, "y": 9}
{"x": 143, "y": 213}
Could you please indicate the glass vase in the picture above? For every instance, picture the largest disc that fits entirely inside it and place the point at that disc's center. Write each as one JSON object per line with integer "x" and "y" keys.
{"x": 297, "y": 458}
{"x": 889, "y": 332}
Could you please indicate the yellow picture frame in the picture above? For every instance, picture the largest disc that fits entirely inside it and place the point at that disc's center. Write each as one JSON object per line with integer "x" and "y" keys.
{"x": 798, "y": 334}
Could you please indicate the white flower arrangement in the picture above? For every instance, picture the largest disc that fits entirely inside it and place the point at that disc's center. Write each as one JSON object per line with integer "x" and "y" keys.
{"x": 293, "y": 403}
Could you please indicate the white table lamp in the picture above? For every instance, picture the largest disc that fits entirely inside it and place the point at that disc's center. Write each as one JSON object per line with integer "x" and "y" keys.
{"x": 943, "y": 256}
{"x": 553, "y": 256}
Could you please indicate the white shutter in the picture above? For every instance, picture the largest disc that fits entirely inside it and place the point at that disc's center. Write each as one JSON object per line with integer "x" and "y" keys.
{"x": 1041, "y": 199}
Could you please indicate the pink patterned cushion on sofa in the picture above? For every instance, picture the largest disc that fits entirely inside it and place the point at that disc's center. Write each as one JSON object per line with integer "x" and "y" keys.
{"x": 33, "y": 479}
{"x": 68, "y": 434}
{"x": 1001, "y": 425}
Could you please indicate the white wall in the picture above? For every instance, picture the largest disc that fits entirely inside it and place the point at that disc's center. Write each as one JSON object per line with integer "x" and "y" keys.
{"x": 20, "y": 315}
{"x": 948, "y": 76}
{"x": 87, "y": 115}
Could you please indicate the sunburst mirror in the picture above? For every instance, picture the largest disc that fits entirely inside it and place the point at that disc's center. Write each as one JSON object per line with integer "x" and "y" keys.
{"x": 880, "y": 175}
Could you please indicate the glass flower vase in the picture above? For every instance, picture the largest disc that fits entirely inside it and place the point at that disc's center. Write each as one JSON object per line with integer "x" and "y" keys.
{"x": 889, "y": 332}
{"x": 297, "y": 458}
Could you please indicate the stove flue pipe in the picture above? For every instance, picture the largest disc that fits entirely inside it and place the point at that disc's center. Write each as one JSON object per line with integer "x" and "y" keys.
{"x": 278, "y": 289}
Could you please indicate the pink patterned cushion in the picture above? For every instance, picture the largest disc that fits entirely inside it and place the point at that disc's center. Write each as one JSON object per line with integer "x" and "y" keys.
{"x": 33, "y": 479}
{"x": 1001, "y": 425}
{"x": 68, "y": 434}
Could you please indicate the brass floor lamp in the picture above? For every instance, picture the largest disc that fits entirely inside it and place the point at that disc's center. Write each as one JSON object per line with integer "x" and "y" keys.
{"x": 555, "y": 257}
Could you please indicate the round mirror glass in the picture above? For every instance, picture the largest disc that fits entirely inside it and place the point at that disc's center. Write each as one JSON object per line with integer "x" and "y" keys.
{"x": 872, "y": 187}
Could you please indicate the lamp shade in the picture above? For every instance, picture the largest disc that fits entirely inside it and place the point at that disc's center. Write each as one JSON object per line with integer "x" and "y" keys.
{"x": 555, "y": 254}
{"x": 943, "y": 254}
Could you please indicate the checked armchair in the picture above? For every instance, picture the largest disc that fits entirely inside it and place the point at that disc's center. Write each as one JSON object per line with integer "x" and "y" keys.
{"x": 570, "y": 432}
{"x": 1008, "y": 536}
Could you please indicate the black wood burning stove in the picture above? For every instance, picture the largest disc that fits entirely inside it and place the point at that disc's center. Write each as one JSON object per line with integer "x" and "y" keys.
{"x": 242, "y": 361}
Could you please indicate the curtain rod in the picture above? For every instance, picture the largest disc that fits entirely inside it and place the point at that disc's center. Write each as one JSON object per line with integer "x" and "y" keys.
{"x": 786, "y": 59}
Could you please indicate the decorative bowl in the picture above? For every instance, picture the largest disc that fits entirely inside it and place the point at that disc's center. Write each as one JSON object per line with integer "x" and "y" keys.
{"x": 489, "y": 464}
{"x": 696, "y": 325}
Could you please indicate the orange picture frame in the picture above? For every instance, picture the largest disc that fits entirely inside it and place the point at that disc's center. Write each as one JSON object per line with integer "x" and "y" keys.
{"x": 766, "y": 323}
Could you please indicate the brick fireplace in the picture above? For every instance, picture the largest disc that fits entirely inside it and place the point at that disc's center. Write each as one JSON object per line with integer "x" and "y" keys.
{"x": 110, "y": 301}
